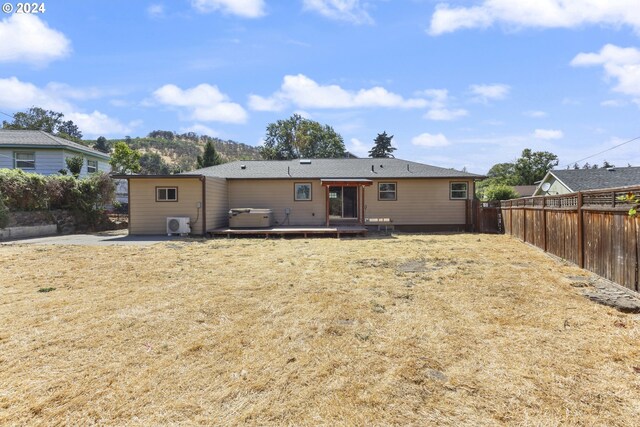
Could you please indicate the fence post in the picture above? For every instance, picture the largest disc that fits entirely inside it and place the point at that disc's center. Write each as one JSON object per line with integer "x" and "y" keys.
{"x": 580, "y": 232}
{"x": 524, "y": 222}
{"x": 544, "y": 223}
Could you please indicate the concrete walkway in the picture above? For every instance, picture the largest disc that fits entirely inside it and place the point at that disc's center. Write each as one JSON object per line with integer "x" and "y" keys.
{"x": 108, "y": 238}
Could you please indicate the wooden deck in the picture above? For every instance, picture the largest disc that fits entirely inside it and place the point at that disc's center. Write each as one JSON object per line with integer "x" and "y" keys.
{"x": 339, "y": 230}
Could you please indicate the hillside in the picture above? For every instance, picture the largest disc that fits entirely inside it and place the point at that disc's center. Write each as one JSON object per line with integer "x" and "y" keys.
{"x": 179, "y": 151}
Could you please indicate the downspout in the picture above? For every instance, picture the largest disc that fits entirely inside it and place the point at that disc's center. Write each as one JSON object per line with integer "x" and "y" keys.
{"x": 129, "y": 204}
{"x": 204, "y": 205}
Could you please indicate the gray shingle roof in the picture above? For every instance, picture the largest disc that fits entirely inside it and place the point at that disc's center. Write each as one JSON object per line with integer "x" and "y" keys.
{"x": 593, "y": 179}
{"x": 330, "y": 168}
{"x": 38, "y": 138}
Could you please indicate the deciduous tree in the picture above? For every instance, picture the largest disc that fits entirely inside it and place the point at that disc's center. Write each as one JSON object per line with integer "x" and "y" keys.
{"x": 36, "y": 118}
{"x": 124, "y": 159}
{"x": 298, "y": 137}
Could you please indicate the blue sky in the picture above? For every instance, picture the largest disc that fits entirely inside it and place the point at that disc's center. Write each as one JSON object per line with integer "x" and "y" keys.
{"x": 458, "y": 83}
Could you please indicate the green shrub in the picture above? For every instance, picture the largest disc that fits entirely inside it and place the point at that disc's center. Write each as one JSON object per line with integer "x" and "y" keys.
{"x": 86, "y": 197}
{"x": 500, "y": 192}
{"x": 74, "y": 164}
{"x": 4, "y": 214}
{"x": 23, "y": 191}
{"x": 63, "y": 191}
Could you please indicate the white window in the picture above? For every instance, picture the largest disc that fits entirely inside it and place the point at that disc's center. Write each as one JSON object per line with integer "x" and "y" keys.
{"x": 387, "y": 191}
{"x": 302, "y": 191}
{"x": 92, "y": 166}
{"x": 458, "y": 190}
{"x": 166, "y": 194}
{"x": 24, "y": 160}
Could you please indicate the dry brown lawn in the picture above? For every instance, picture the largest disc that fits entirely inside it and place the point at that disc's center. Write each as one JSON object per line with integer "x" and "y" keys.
{"x": 410, "y": 330}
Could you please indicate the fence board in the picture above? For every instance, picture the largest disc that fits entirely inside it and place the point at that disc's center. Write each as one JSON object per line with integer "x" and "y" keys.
{"x": 590, "y": 227}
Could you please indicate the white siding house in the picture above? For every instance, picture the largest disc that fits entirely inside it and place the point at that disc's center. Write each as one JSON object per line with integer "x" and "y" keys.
{"x": 43, "y": 153}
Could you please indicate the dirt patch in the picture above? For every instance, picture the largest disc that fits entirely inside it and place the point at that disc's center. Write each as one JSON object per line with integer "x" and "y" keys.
{"x": 418, "y": 330}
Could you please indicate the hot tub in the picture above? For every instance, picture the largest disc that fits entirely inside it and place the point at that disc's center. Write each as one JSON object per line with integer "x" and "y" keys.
{"x": 250, "y": 218}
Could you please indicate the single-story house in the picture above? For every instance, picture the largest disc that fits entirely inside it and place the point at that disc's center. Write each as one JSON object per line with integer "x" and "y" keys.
{"x": 306, "y": 192}
{"x": 573, "y": 180}
{"x": 525, "y": 190}
{"x": 40, "y": 152}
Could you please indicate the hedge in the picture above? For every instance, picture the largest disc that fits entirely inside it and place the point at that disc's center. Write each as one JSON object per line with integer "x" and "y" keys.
{"x": 22, "y": 191}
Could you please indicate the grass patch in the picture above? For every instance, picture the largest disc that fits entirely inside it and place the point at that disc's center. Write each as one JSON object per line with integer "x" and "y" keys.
{"x": 45, "y": 290}
{"x": 415, "y": 329}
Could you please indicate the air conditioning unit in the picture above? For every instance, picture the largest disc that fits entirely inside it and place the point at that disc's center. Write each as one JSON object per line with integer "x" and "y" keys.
{"x": 178, "y": 225}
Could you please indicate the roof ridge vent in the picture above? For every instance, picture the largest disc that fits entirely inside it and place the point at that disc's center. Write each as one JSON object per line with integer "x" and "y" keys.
{"x": 611, "y": 169}
{"x": 305, "y": 161}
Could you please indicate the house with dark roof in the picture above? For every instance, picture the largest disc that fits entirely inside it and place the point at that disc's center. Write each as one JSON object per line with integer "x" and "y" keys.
{"x": 40, "y": 152}
{"x": 306, "y": 192}
{"x": 573, "y": 180}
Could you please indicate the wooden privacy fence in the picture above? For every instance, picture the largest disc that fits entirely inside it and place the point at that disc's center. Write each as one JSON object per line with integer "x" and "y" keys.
{"x": 591, "y": 229}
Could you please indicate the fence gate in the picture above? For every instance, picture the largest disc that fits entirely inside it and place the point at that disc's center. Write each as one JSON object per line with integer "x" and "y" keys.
{"x": 489, "y": 217}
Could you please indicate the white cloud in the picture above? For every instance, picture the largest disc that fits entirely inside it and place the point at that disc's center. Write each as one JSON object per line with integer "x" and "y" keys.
{"x": 537, "y": 14}
{"x": 25, "y": 38}
{"x": 437, "y": 103}
{"x": 303, "y": 92}
{"x": 548, "y": 134}
{"x": 535, "y": 114}
{"x": 18, "y": 95}
{"x": 97, "y": 123}
{"x": 258, "y": 103}
{"x": 204, "y": 102}
{"x": 242, "y": 8}
{"x": 613, "y": 103}
{"x": 486, "y": 93}
{"x": 342, "y": 10}
{"x": 620, "y": 64}
{"x": 358, "y": 148}
{"x": 200, "y": 129}
{"x": 155, "y": 10}
{"x": 429, "y": 140}
{"x": 445, "y": 114}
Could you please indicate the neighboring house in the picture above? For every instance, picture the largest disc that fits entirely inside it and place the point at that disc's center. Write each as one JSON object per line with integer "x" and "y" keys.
{"x": 525, "y": 190}
{"x": 316, "y": 192}
{"x": 40, "y": 152}
{"x": 573, "y": 180}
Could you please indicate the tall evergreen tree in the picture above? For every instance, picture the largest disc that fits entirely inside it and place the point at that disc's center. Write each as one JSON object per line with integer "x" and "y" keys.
{"x": 102, "y": 144}
{"x": 210, "y": 157}
{"x": 382, "y": 146}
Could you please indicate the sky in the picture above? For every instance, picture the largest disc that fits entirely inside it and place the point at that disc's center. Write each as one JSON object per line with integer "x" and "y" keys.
{"x": 459, "y": 84}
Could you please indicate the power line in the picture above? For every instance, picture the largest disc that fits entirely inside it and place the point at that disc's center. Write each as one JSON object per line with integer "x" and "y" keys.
{"x": 604, "y": 151}
{"x": 8, "y": 115}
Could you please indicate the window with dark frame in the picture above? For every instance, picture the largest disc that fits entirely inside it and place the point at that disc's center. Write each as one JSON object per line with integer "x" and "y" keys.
{"x": 92, "y": 166}
{"x": 387, "y": 191}
{"x": 24, "y": 160}
{"x": 458, "y": 190}
{"x": 166, "y": 194}
{"x": 302, "y": 192}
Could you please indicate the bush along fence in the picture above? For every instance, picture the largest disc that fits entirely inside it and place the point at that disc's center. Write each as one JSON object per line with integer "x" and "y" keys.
{"x": 592, "y": 229}
{"x": 27, "y": 192}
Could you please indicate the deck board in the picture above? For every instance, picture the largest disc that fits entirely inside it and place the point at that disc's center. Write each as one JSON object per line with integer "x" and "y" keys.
{"x": 289, "y": 230}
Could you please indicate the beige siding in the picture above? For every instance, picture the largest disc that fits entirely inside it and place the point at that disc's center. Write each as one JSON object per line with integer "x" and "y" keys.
{"x": 150, "y": 217}
{"x": 419, "y": 202}
{"x": 217, "y": 203}
{"x": 277, "y": 195}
